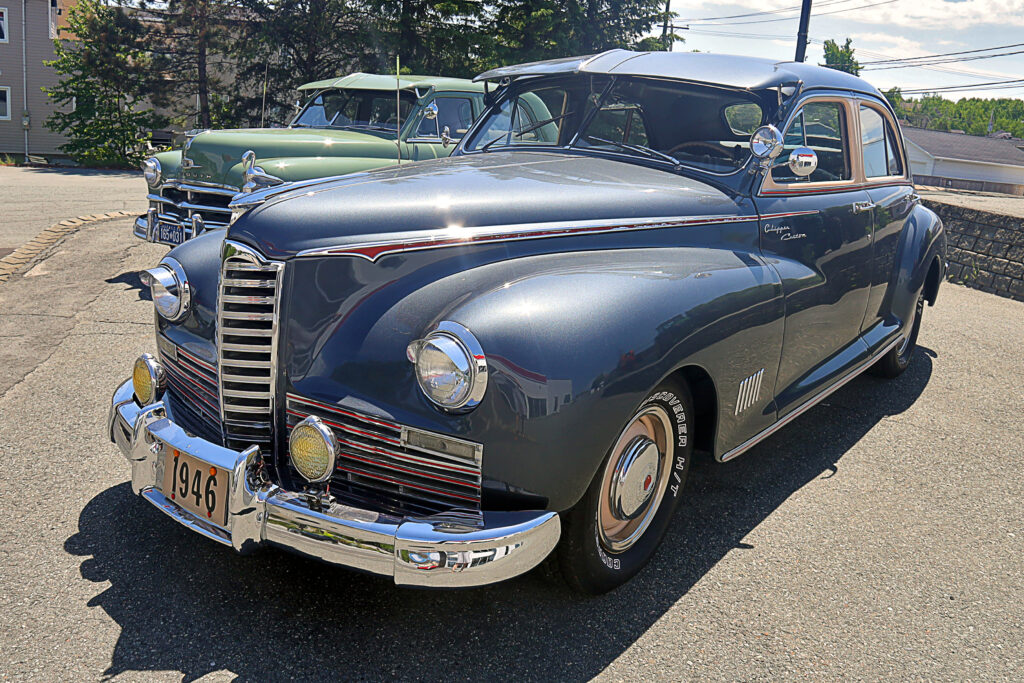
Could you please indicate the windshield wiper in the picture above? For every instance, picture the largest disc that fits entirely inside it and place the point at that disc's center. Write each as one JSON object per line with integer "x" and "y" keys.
{"x": 539, "y": 124}
{"x": 638, "y": 148}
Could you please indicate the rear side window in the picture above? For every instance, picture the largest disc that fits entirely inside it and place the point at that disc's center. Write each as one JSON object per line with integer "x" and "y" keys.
{"x": 822, "y": 127}
{"x": 878, "y": 141}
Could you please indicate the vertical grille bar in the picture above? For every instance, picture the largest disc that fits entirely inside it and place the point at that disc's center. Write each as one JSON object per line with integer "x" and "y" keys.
{"x": 247, "y": 345}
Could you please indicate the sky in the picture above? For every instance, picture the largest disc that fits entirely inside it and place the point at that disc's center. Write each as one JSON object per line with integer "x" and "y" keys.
{"x": 884, "y": 30}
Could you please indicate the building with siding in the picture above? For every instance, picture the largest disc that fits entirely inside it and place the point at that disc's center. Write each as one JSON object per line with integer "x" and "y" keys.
{"x": 968, "y": 162}
{"x": 27, "y": 31}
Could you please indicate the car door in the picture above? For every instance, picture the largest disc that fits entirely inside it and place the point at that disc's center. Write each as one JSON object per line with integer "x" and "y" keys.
{"x": 454, "y": 114}
{"x": 816, "y": 231}
{"x": 893, "y": 197}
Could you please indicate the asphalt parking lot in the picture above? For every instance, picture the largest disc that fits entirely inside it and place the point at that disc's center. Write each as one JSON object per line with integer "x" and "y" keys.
{"x": 878, "y": 536}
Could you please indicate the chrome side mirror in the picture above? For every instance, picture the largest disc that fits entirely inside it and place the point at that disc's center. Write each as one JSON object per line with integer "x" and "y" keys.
{"x": 446, "y": 136}
{"x": 766, "y": 142}
{"x": 430, "y": 111}
{"x": 803, "y": 161}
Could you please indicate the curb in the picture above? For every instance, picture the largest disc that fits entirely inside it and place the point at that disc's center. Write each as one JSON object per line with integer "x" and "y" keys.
{"x": 24, "y": 255}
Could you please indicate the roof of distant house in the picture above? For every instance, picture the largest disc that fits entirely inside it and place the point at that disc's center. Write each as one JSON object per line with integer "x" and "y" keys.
{"x": 967, "y": 147}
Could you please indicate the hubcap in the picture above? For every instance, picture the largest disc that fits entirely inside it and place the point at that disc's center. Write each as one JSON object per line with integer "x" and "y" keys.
{"x": 635, "y": 479}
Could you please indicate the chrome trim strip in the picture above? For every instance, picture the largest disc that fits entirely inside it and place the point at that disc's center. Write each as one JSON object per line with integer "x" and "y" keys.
{"x": 441, "y": 551}
{"x": 461, "y": 236}
{"x": 797, "y": 412}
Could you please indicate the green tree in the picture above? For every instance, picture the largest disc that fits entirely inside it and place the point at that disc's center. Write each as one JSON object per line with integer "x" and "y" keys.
{"x": 189, "y": 50}
{"x": 104, "y": 75}
{"x": 840, "y": 57}
{"x": 285, "y": 43}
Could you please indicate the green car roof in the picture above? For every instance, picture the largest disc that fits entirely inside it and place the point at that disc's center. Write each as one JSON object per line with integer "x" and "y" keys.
{"x": 384, "y": 82}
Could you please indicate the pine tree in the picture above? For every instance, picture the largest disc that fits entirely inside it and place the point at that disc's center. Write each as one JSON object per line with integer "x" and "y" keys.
{"x": 104, "y": 70}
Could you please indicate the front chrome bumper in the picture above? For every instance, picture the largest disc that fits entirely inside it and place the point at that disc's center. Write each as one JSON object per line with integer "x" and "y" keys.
{"x": 429, "y": 552}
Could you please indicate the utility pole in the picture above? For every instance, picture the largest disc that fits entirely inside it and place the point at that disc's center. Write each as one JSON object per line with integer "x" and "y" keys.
{"x": 801, "y": 34}
{"x": 664, "y": 27}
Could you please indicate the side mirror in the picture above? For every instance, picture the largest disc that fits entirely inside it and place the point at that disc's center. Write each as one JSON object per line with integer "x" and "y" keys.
{"x": 802, "y": 161}
{"x": 766, "y": 142}
{"x": 430, "y": 111}
{"x": 446, "y": 136}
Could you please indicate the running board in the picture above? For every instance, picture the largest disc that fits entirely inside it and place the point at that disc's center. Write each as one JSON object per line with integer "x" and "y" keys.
{"x": 765, "y": 433}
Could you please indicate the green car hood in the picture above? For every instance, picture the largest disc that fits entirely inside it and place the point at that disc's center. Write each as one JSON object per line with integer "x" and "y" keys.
{"x": 215, "y": 156}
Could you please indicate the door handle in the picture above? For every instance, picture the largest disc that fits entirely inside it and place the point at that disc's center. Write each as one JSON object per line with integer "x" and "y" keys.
{"x": 861, "y": 207}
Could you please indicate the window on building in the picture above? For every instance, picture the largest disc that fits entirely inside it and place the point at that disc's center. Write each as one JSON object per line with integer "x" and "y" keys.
{"x": 54, "y": 13}
{"x": 3, "y": 25}
{"x": 5, "y": 103}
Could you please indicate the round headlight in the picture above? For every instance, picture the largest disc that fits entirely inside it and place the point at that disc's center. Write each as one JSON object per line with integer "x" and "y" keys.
{"x": 450, "y": 367}
{"x": 313, "y": 448}
{"x": 147, "y": 379}
{"x": 170, "y": 288}
{"x": 151, "y": 171}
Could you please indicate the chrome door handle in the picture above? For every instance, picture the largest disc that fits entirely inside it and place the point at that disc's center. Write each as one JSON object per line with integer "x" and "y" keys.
{"x": 861, "y": 207}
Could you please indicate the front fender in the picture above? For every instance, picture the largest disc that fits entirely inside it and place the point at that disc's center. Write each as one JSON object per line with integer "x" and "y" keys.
{"x": 574, "y": 343}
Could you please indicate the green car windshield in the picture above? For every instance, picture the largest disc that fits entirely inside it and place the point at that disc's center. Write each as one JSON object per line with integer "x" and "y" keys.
{"x": 671, "y": 123}
{"x": 372, "y": 110}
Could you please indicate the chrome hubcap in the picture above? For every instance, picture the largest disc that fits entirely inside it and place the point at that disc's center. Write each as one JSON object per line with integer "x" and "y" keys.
{"x": 635, "y": 479}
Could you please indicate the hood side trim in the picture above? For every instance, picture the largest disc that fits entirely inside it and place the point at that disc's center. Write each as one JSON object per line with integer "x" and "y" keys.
{"x": 459, "y": 236}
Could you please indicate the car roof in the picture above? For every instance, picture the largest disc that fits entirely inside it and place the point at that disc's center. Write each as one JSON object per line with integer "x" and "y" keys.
{"x": 386, "y": 82}
{"x": 748, "y": 73}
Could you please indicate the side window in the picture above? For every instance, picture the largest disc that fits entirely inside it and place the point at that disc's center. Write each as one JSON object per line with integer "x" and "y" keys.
{"x": 454, "y": 112}
{"x": 881, "y": 157}
{"x": 822, "y": 127}
{"x": 5, "y": 103}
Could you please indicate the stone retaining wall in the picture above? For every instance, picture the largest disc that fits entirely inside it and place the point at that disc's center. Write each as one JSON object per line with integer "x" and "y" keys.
{"x": 985, "y": 250}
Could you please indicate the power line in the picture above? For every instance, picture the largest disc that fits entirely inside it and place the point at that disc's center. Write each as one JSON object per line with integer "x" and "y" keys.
{"x": 815, "y": 14}
{"x": 944, "y": 54}
{"x": 771, "y": 11}
{"x": 953, "y": 60}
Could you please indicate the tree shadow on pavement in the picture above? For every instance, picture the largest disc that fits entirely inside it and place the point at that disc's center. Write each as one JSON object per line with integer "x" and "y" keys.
{"x": 134, "y": 281}
{"x": 186, "y": 604}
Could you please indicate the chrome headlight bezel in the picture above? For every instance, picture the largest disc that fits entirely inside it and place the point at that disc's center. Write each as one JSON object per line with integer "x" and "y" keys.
{"x": 152, "y": 171}
{"x": 170, "y": 289}
{"x": 461, "y": 348}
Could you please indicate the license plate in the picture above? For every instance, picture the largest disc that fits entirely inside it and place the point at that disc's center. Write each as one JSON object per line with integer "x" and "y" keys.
{"x": 170, "y": 234}
{"x": 196, "y": 486}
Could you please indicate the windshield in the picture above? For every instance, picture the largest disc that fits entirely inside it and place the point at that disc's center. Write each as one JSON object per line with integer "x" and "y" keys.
{"x": 356, "y": 109}
{"x": 670, "y": 123}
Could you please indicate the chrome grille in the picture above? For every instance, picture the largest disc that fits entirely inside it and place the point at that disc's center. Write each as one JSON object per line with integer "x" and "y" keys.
{"x": 246, "y": 341}
{"x": 176, "y": 204}
{"x": 195, "y": 381}
{"x": 377, "y": 466}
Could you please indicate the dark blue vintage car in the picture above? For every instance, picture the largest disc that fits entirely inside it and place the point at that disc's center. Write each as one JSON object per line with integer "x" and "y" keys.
{"x": 446, "y": 372}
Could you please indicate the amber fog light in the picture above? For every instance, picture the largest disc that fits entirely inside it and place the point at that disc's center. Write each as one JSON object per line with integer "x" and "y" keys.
{"x": 313, "y": 448}
{"x": 147, "y": 379}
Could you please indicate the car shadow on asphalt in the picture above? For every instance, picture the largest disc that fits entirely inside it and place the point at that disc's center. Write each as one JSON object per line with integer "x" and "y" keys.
{"x": 134, "y": 281}
{"x": 186, "y": 604}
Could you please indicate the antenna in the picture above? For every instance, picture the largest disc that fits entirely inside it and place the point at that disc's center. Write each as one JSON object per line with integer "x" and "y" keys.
{"x": 398, "y": 107}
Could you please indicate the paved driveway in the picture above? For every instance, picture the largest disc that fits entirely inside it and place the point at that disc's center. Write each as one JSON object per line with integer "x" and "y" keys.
{"x": 33, "y": 199}
{"x": 879, "y": 536}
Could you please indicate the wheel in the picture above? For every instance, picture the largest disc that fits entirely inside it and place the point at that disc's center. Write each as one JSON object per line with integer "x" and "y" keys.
{"x": 897, "y": 359}
{"x": 618, "y": 524}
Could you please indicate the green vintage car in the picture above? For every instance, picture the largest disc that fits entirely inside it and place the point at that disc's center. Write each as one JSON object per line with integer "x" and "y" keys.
{"x": 349, "y": 124}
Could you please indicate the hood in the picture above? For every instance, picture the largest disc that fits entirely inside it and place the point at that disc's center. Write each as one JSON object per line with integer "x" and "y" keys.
{"x": 472, "y": 191}
{"x": 216, "y": 155}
